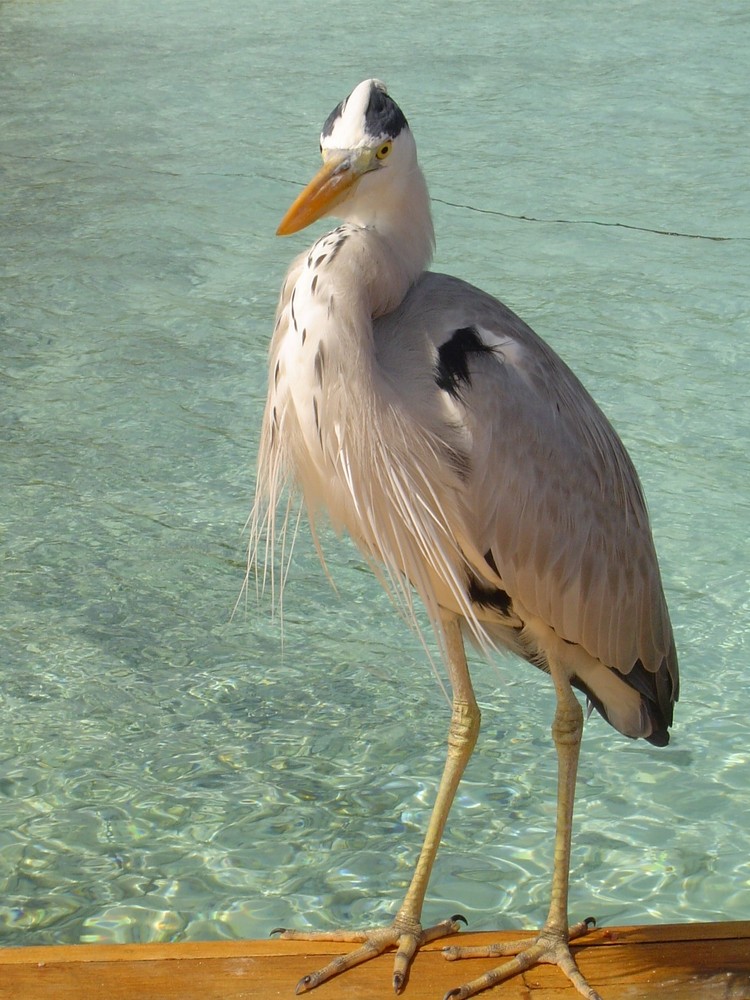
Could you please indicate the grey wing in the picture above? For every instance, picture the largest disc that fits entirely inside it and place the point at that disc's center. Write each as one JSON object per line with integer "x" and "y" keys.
{"x": 552, "y": 496}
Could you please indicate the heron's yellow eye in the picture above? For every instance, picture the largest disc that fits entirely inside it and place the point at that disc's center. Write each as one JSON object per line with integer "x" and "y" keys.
{"x": 384, "y": 150}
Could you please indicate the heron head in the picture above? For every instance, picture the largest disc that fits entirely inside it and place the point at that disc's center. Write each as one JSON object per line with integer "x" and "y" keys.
{"x": 366, "y": 145}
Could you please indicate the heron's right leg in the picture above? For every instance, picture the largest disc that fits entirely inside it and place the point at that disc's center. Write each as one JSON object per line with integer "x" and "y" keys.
{"x": 406, "y": 933}
{"x": 551, "y": 945}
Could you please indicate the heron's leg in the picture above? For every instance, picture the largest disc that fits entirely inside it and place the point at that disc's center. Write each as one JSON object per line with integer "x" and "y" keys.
{"x": 462, "y": 737}
{"x": 551, "y": 944}
{"x": 406, "y": 932}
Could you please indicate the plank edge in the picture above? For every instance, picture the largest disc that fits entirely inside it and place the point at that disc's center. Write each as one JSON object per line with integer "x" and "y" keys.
{"x": 207, "y": 950}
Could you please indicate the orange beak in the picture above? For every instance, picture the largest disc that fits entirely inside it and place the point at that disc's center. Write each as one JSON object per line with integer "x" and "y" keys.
{"x": 341, "y": 170}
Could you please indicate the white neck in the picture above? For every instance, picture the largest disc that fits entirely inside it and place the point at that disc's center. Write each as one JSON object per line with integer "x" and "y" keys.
{"x": 404, "y": 221}
{"x": 394, "y": 203}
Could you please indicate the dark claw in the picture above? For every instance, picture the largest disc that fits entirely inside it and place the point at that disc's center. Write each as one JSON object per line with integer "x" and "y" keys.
{"x": 457, "y": 918}
{"x": 277, "y": 930}
{"x": 590, "y": 921}
{"x": 452, "y": 993}
{"x": 398, "y": 982}
{"x": 303, "y": 985}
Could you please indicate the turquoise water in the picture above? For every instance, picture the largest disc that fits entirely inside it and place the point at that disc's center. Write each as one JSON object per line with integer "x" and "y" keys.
{"x": 168, "y": 770}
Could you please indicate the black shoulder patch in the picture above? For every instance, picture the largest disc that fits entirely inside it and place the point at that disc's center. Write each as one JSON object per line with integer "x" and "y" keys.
{"x": 452, "y": 367}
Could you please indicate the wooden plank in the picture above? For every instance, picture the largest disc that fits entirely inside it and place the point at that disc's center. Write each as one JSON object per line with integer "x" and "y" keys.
{"x": 669, "y": 962}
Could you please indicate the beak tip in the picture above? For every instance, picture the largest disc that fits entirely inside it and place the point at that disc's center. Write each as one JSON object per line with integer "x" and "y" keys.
{"x": 329, "y": 186}
{"x": 286, "y": 228}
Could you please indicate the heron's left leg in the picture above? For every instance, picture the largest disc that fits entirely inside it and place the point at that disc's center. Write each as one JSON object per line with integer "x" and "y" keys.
{"x": 551, "y": 944}
{"x": 406, "y": 933}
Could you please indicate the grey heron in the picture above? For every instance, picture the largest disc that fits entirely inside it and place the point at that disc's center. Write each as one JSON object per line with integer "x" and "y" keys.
{"x": 470, "y": 466}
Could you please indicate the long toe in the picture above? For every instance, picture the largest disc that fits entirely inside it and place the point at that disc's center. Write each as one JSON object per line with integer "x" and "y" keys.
{"x": 372, "y": 942}
{"x": 548, "y": 948}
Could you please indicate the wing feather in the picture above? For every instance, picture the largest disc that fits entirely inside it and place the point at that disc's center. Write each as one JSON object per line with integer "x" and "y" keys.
{"x": 551, "y": 491}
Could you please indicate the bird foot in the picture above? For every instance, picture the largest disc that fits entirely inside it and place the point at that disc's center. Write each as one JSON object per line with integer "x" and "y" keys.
{"x": 406, "y": 935}
{"x": 549, "y": 946}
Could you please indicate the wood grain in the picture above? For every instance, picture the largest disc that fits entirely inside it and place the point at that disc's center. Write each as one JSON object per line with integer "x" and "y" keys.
{"x": 668, "y": 962}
